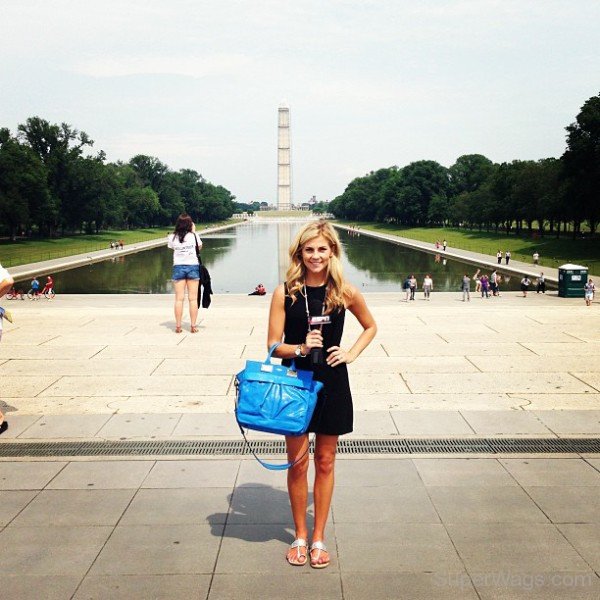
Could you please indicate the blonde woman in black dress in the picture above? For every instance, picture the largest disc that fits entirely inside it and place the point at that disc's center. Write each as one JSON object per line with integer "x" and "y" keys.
{"x": 315, "y": 286}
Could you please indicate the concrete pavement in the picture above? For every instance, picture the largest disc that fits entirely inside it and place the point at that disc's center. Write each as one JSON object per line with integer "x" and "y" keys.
{"x": 425, "y": 526}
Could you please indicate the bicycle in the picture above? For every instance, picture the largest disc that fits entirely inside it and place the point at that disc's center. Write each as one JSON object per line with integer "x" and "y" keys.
{"x": 49, "y": 294}
{"x": 15, "y": 295}
{"x": 33, "y": 294}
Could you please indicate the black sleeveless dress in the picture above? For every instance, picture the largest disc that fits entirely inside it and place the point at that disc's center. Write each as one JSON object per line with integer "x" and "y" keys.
{"x": 333, "y": 414}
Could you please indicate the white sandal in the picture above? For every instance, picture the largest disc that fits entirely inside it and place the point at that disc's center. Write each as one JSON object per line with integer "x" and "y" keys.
{"x": 320, "y": 546}
{"x": 301, "y": 557}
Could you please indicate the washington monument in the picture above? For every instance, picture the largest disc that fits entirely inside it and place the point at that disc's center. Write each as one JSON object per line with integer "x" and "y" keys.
{"x": 284, "y": 160}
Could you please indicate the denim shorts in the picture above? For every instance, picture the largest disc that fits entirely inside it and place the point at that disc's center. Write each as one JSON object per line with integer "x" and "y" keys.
{"x": 186, "y": 272}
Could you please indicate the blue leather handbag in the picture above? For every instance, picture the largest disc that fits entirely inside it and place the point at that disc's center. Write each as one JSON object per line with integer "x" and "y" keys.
{"x": 275, "y": 398}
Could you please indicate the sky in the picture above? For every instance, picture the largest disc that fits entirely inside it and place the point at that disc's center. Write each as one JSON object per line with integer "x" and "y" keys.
{"x": 370, "y": 83}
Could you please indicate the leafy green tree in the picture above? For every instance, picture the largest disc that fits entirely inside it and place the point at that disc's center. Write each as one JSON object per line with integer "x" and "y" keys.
{"x": 58, "y": 146}
{"x": 469, "y": 173}
{"x": 582, "y": 165}
{"x": 23, "y": 184}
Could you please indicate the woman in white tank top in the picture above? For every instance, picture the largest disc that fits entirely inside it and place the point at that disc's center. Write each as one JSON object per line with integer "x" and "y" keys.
{"x": 186, "y": 268}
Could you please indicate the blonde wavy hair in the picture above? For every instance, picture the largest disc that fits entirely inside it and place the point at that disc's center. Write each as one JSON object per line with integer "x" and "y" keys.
{"x": 338, "y": 293}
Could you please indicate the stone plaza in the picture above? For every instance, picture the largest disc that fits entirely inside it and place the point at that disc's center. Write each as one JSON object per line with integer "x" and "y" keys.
{"x": 425, "y": 525}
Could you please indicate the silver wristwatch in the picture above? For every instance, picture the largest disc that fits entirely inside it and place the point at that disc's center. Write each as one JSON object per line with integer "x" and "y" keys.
{"x": 298, "y": 351}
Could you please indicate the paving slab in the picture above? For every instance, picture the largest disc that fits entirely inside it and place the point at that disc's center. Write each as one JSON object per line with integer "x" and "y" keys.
{"x": 65, "y": 426}
{"x": 34, "y": 587}
{"x": 143, "y": 587}
{"x": 28, "y": 475}
{"x": 275, "y": 586}
{"x": 585, "y": 538}
{"x": 168, "y": 385}
{"x": 60, "y": 405}
{"x": 122, "y": 366}
{"x": 158, "y": 550}
{"x": 551, "y": 471}
{"x": 127, "y": 426}
{"x": 563, "y": 383}
{"x": 463, "y": 472}
{"x": 396, "y": 547}
{"x": 429, "y": 422}
{"x": 570, "y": 421}
{"x": 383, "y": 505}
{"x": 409, "y": 586}
{"x": 505, "y": 422}
{"x": 484, "y": 504}
{"x": 574, "y": 504}
{"x": 100, "y": 475}
{"x": 48, "y": 550}
{"x": 514, "y": 548}
{"x": 13, "y": 502}
{"x": 192, "y": 474}
{"x": 74, "y": 508}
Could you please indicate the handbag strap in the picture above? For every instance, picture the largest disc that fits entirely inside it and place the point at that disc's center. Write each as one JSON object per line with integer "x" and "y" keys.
{"x": 271, "y": 466}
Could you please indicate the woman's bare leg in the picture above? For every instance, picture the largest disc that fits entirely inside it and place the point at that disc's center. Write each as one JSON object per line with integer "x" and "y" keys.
{"x": 297, "y": 482}
{"x": 192, "y": 290}
{"x": 325, "y": 448}
{"x": 179, "y": 287}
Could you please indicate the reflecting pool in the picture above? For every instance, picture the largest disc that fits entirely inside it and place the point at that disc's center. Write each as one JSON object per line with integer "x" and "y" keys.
{"x": 242, "y": 257}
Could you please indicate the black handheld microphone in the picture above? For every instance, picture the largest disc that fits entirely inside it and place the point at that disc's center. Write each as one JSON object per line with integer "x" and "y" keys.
{"x": 316, "y": 354}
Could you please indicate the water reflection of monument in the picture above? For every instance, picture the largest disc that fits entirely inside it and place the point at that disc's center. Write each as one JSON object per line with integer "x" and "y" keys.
{"x": 284, "y": 241}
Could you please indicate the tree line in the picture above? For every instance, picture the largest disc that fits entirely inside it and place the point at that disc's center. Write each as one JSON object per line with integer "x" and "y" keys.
{"x": 477, "y": 193}
{"x": 49, "y": 186}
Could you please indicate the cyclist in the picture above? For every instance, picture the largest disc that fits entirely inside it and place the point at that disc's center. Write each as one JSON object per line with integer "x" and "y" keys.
{"x": 35, "y": 288}
{"x": 48, "y": 290}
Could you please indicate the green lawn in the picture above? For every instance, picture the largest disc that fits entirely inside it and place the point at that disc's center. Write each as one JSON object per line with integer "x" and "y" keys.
{"x": 552, "y": 252}
{"x": 24, "y": 252}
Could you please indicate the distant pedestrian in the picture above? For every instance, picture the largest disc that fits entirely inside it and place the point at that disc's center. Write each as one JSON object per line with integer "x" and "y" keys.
{"x": 406, "y": 288}
{"x": 413, "y": 286}
{"x": 507, "y": 256}
{"x": 494, "y": 283}
{"x": 499, "y": 257}
{"x": 477, "y": 279}
{"x": 466, "y": 287}
{"x": 444, "y": 244}
{"x": 589, "y": 289}
{"x": 427, "y": 286}
{"x": 525, "y": 283}
{"x": 540, "y": 284}
{"x": 536, "y": 257}
{"x": 485, "y": 286}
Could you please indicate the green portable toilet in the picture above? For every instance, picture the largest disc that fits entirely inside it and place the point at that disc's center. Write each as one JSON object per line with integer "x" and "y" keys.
{"x": 571, "y": 279}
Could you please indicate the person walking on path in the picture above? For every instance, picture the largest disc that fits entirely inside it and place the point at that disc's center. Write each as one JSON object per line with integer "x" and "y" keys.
{"x": 477, "y": 279}
{"x": 413, "y": 286}
{"x": 485, "y": 286}
{"x": 315, "y": 286}
{"x": 525, "y": 283}
{"x": 499, "y": 257}
{"x": 536, "y": 257}
{"x": 427, "y": 286}
{"x": 406, "y": 288}
{"x": 444, "y": 244}
{"x": 507, "y": 256}
{"x": 495, "y": 283}
{"x": 6, "y": 283}
{"x": 466, "y": 287}
{"x": 186, "y": 269}
{"x": 589, "y": 289}
{"x": 540, "y": 284}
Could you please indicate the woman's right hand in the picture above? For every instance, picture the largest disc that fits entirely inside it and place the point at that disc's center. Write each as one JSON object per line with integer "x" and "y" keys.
{"x": 314, "y": 339}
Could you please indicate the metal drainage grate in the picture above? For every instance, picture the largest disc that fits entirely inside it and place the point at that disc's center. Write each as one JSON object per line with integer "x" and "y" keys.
{"x": 274, "y": 447}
